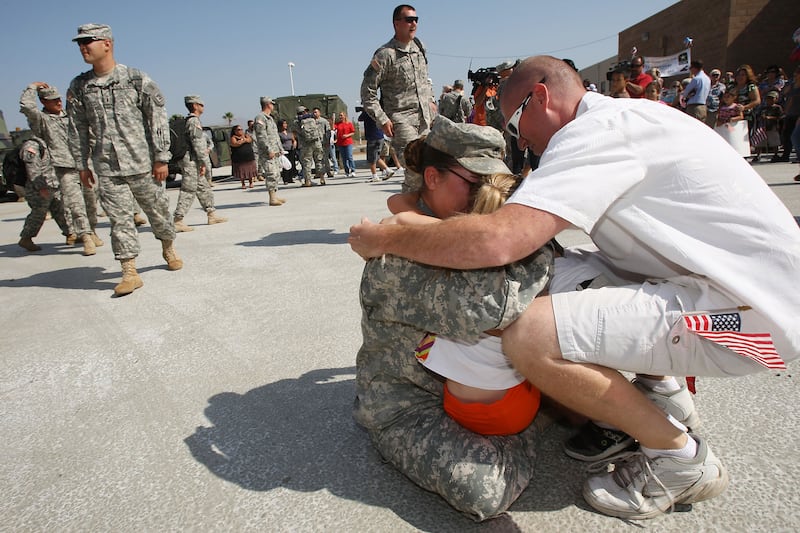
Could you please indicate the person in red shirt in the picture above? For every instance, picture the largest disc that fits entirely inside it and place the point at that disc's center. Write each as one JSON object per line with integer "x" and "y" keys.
{"x": 638, "y": 80}
{"x": 344, "y": 143}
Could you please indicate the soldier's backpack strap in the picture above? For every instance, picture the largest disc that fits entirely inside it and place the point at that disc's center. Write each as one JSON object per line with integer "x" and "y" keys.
{"x": 421, "y": 49}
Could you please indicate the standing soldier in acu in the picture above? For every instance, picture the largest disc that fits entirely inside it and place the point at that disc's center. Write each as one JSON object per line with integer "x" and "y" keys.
{"x": 117, "y": 115}
{"x": 195, "y": 166}
{"x": 399, "y": 68}
{"x": 268, "y": 144}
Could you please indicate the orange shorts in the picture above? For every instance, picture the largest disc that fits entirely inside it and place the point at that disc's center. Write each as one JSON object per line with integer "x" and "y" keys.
{"x": 509, "y": 415}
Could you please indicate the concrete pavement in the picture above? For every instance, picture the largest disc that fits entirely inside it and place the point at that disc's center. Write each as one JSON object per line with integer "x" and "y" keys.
{"x": 217, "y": 398}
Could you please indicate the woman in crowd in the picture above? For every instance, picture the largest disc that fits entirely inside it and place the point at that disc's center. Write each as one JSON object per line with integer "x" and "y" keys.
{"x": 746, "y": 92}
{"x": 289, "y": 145}
{"x": 243, "y": 158}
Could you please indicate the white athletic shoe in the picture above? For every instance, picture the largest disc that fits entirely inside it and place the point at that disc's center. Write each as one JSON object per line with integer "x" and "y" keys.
{"x": 639, "y": 487}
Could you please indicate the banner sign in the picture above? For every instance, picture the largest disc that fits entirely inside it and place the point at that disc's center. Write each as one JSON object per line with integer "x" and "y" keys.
{"x": 674, "y": 65}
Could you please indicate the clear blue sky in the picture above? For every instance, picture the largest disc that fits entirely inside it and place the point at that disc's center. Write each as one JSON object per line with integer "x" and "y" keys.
{"x": 231, "y": 52}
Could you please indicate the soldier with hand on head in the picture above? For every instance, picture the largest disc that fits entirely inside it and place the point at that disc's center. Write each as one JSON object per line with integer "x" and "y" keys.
{"x": 307, "y": 131}
{"x": 195, "y": 169}
{"x": 50, "y": 124}
{"x": 117, "y": 116}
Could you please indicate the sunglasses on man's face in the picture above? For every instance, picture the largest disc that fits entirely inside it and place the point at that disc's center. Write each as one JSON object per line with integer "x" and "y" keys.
{"x": 409, "y": 19}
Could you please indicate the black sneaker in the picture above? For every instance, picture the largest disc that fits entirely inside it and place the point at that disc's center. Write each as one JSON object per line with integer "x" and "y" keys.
{"x": 593, "y": 443}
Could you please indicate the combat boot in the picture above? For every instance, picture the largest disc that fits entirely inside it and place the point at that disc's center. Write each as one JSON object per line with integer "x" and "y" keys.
{"x": 139, "y": 220}
{"x": 214, "y": 219}
{"x": 72, "y": 239}
{"x": 181, "y": 226}
{"x": 306, "y": 183}
{"x": 274, "y": 200}
{"x": 88, "y": 245}
{"x": 28, "y": 244}
{"x": 170, "y": 256}
{"x": 96, "y": 240}
{"x": 322, "y": 180}
{"x": 130, "y": 278}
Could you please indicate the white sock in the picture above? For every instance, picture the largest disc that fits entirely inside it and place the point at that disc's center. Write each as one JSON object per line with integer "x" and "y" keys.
{"x": 689, "y": 451}
{"x": 374, "y": 176}
{"x": 669, "y": 384}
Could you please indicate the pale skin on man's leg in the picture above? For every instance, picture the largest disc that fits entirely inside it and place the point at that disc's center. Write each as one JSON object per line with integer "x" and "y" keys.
{"x": 598, "y": 392}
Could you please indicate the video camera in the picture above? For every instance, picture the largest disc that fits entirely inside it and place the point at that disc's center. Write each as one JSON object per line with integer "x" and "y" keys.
{"x": 622, "y": 66}
{"x": 483, "y": 77}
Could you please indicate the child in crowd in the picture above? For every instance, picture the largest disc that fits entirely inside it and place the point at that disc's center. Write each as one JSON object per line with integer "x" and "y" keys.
{"x": 653, "y": 92}
{"x": 731, "y": 124}
{"x": 770, "y": 118}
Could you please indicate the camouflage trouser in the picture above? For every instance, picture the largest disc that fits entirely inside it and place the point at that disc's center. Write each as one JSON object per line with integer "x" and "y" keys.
{"x": 72, "y": 197}
{"x": 90, "y": 201}
{"x": 400, "y": 403}
{"x": 119, "y": 196}
{"x": 192, "y": 184}
{"x": 408, "y": 127}
{"x": 270, "y": 170}
{"x": 311, "y": 157}
{"x": 39, "y": 207}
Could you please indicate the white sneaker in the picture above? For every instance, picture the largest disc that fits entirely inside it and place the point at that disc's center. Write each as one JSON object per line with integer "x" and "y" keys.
{"x": 387, "y": 174}
{"x": 679, "y": 404}
{"x": 640, "y": 487}
{"x": 373, "y": 179}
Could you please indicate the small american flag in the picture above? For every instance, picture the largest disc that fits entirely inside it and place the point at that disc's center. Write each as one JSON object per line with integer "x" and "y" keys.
{"x": 758, "y": 137}
{"x": 725, "y": 329}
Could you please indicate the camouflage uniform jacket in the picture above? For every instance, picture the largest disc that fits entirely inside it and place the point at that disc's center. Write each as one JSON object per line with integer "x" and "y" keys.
{"x": 455, "y": 106}
{"x": 49, "y": 127}
{"x": 400, "y": 403}
{"x": 401, "y": 73}
{"x": 297, "y": 129}
{"x": 267, "y": 138}
{"x": 324, "y": 131}
{"x": 120, "y": 119}
{"x": 38, "y": 165}
{"x": 197, "y": 143}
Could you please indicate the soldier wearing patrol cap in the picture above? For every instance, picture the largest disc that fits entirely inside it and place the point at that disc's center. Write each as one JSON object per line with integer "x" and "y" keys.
{"x": 195, "y": 167}
{"x": 50, "y": 124}
{"x": 129, "y": 146}
{"x": 268, "y": 144}
{"x": 307, "y": 131}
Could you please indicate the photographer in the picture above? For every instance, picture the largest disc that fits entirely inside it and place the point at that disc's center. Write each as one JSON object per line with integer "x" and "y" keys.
{"x": 484, "y": 90}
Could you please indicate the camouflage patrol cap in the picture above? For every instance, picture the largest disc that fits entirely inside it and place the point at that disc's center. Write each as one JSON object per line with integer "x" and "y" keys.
{"x": 458, "y": 84}
{"x": 96, "y": 32}
{"x": 772, "y": 94}
{"x": 264, "y": 100}
{"x": 49, "y": 93}
{"x": 192, "y": 99}
{"x": 479, "y": 149}
{"x": 301, "y": 109}
{"x": 505, "y": 65}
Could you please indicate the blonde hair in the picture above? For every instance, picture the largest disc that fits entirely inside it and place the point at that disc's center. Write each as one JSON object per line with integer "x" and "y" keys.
{"x": 493, "y": 192}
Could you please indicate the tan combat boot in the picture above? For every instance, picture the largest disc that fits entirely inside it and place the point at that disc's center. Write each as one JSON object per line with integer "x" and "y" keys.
{"x": 306, "y": 183}
{"x": 214, "y": 219}
{"x": 28, "y": 244}
{"x": 139, "y": 220}
{"x": 96, "y": 240}
{"x": 322, "y": 180}
{"x": 88, "y": 245}
{"x": 181, "y": 226}
{"x": 72, "y": 239}
{"x": 170, "y": 256}
{"x": 274, "y": 200}
{"x": 130, "y": 278}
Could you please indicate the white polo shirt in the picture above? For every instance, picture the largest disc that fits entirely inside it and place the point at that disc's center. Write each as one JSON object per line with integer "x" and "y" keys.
{"x": 662, "y": 195}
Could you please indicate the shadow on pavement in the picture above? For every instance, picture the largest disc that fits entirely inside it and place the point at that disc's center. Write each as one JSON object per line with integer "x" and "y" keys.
{"x": 298, "y": 434}
{"x": 289, "y": 238}
{"x": 81, "y": 278}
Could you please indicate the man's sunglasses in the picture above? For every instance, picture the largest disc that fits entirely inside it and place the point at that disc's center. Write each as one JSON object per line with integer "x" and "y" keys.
{"x": 409, "y": 19}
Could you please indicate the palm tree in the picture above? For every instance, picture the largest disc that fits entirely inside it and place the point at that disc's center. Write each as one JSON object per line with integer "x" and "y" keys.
{"x": 229, "y": 117}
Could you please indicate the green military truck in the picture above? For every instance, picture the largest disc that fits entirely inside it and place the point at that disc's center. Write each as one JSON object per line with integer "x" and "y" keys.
{"x": 328, "y": 104}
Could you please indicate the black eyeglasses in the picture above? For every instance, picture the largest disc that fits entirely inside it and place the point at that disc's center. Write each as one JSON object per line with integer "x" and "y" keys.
{"x": 409, "y": 19}
{"x": 87, "y": 40}
{"x": 470, "y": 182}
